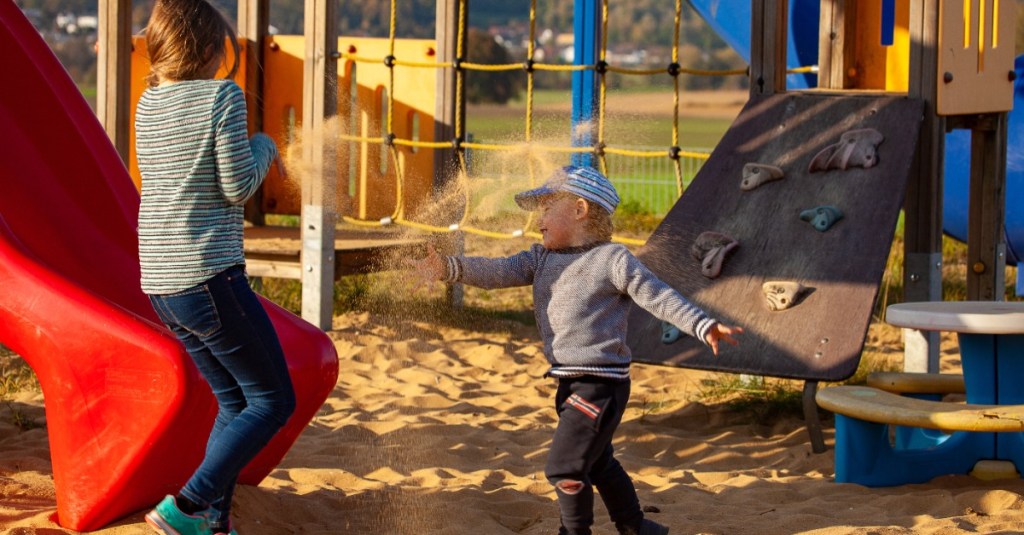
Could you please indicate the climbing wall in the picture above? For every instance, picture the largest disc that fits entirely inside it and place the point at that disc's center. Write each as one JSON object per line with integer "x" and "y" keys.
{"x": 826, "y": 225}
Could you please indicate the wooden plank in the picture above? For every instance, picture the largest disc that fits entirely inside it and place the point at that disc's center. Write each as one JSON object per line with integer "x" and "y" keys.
{"x": 821, "y": 338}
{"x": 986, "y": 233}
{"x": 253, "y": 27}
{"x": 831, "y": 39}
{"x": 272, "y": 251}
{"x": 768, "y": 46}
{"x": 114, "y": 72}
{"x": 275, "y": 269}
{"x": 319, "y": 103}
{"x": 448, "y": 110}
{"x": 879, "y": 406}
{"x": 922, "y": 246}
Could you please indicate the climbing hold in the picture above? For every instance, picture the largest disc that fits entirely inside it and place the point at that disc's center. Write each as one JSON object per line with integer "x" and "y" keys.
{"x": 780, "y": 295}
{"x": 755, "y": 174}
{"x": 710, "y": 249}
{"x": 669, "y": 333}
{"x": 856, "y": 148}
{"x": 822, "y": 217}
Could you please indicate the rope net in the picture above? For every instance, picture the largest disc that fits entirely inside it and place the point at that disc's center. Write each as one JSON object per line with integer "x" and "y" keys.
{"x": 460, "y": 145}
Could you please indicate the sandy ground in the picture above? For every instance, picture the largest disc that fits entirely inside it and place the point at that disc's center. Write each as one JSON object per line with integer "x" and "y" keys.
{"x": 440, "y": 424}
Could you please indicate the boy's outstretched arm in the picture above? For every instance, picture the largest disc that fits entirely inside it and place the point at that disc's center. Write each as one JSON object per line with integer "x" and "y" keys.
{"x": 430, "y": 268}
{"x": 721, "y": 332}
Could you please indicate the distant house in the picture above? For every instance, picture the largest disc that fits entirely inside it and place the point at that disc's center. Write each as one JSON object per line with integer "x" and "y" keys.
{"x": 72, "y": 23}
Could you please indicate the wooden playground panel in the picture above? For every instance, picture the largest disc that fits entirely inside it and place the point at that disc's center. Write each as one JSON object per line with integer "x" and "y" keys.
{"x": 822, "y": 336}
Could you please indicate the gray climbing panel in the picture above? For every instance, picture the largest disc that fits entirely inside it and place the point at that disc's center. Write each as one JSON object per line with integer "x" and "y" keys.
{"x": 821, "y": 337}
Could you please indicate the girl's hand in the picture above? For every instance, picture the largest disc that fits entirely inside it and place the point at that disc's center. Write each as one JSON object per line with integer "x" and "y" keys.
{"x": 428, "y": 269}
{"x": 721, "y": 332}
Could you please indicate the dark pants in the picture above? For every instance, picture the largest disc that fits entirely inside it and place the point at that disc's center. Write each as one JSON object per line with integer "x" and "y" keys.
{"x": 589, "y": 411}
{"x": 227, "y": 333}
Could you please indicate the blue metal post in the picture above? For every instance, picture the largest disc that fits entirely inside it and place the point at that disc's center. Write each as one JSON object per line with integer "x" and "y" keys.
{"x": 586, "y": 51}
{"x": 888, "y": 22}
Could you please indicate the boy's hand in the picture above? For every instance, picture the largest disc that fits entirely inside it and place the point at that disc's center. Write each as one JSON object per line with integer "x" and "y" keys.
{"x": 721, "y": 332}
{"x": 429, "y": 269}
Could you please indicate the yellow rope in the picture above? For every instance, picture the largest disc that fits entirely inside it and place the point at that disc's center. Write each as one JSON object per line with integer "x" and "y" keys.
{"x": 602, "y": 93}
{"x": 492, "y": 67}
{"x": 678, "y": 163}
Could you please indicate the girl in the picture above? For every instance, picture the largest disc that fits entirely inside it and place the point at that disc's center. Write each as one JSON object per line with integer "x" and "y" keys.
{"x": 582, "y": 288}
{"x": 198, "y": 168}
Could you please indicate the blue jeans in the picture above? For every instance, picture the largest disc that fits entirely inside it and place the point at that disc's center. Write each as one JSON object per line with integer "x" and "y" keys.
{"x": 230, "y": 338}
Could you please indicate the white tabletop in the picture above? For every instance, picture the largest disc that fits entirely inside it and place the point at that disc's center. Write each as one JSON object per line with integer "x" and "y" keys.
{"x": 976, "y": 317}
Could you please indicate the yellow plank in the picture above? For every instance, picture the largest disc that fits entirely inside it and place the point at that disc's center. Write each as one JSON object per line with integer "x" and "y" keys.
{"x": 874, "y": 405}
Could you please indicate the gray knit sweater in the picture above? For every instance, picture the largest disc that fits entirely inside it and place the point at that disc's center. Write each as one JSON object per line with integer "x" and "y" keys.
{"x": 198, "y": 168}
{"x": 581, "y": 299}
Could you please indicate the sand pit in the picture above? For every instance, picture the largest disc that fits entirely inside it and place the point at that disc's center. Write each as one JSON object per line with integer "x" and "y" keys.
{"x": 440, "y": 424}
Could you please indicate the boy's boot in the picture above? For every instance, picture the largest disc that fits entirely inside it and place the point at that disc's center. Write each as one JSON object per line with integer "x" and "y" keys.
{"x": 647, "y": 527}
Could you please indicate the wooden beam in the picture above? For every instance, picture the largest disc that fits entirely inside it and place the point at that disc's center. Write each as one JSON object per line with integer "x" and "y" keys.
{"x": 831, "y": 44}
{"x": 768, "y": 35}
{"x": 448, "y": 111}
{"x": 319, "y": 213}
{"x": 986, "y": 235}
{"x": 114, "y": 72}
{"x": 253, "y": 24}
{"x": 922, "y": 245}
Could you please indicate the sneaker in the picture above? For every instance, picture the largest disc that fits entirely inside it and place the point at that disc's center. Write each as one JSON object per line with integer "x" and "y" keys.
{"x": 225, "y": 531}
{"x": 168, "y": 519}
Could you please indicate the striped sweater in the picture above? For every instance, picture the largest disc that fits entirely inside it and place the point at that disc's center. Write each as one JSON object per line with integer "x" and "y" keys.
{"x": 581, "y": 299}
{"x": 198, "y": 168}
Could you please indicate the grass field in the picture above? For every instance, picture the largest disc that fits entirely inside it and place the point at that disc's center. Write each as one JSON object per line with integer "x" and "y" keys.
{"x": 636, "y": 120}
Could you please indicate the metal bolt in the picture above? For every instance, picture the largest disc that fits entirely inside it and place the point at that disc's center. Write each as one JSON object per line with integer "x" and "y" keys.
{"x": 947, "y": 77}
{"x": 309, "y": 268}
{"x": 978, "y": 267}
{"x": 914, "y": 277}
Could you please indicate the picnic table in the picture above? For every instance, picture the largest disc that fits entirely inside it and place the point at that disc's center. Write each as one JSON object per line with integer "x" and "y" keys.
{"x": 936, "y": 437}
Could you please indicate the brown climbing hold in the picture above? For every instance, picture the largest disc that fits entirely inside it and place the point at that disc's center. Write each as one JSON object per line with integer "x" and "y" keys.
{"x": 710, "y": 249}
{"x": 780, "y": 295}
{"x": 755, "y": 174}
{"x": 856, "y": 148}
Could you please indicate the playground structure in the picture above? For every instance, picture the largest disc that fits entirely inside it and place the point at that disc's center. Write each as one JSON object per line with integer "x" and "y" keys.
{"x": 874, "y": 47}
{"x": 842, "y": 292}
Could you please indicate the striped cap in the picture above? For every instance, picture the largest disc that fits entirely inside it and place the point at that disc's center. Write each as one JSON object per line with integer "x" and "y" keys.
{"x": 585, "y": 182}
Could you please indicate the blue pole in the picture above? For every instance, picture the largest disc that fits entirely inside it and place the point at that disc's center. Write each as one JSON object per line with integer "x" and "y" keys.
{"x": 888, "y": 22}
{"x": 586, "y": 51}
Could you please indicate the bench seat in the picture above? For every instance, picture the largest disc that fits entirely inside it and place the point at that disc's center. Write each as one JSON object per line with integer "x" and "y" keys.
{"x": 875, "y": 405}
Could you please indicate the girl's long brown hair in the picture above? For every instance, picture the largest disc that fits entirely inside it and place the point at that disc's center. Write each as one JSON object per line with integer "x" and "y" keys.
{"x": 184, "y": 38}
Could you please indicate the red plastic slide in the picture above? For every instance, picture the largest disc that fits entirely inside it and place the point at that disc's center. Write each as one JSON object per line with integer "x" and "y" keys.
{"x": 126, "y": 410}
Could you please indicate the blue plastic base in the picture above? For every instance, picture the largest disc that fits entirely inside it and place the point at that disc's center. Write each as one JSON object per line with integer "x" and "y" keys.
{"x": 866, "y": 456}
